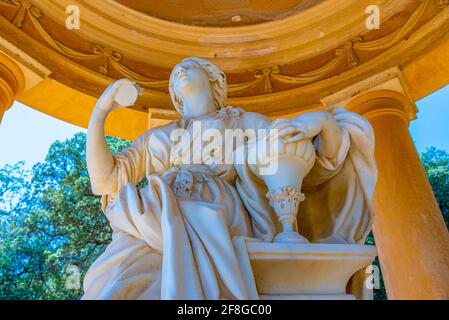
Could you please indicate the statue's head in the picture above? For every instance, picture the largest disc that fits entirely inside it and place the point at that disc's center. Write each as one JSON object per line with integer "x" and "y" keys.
{"x": 196, "y": 76}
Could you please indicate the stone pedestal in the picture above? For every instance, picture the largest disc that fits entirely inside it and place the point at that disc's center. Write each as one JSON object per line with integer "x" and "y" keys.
{"x": 306, "y": 271}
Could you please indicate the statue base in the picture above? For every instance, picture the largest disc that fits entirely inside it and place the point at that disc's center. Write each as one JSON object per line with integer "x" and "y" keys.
{"x": 289, "y": 237}
{"x": 306, "y": 271}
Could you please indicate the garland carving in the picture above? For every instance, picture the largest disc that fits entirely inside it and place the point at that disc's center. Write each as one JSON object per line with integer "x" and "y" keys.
{"x": 266, "y": 77}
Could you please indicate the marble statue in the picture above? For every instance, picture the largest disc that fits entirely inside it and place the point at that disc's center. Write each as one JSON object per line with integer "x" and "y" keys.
{"x": 174, "y": 238}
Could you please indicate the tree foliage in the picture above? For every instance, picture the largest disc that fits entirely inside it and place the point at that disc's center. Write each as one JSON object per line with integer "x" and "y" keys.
{"x": 436, "y": 163}
{"x": 51, "y": 224}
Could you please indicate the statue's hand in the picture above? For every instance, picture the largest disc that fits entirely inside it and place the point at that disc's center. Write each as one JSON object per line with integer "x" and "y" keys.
{"x": 120, "y": 94}
{"x": 287, "y": 130}
{"x": 304, "y": 126}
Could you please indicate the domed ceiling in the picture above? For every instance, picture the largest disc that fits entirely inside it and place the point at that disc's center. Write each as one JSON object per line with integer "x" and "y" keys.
{"x": 220, "y": 13}
{"x": 280, "y": 56}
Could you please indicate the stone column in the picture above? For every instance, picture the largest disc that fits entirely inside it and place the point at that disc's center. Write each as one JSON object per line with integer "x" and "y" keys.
{"x": 410, "y": 233}
{"x": 11, "y": 82}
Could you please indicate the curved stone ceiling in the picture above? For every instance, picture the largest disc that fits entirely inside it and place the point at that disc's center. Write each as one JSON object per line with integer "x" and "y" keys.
{"x": 220, "y": 13}
{"x": 162, "y": 43}
{"x": 273, "y": 67}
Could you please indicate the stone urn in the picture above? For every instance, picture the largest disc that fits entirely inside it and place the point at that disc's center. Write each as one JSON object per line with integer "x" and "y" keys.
{"x": 293, "y": 160}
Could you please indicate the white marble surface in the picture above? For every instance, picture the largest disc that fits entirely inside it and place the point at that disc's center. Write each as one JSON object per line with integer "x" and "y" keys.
{"x": 178, "y": 238}
{"x": 305, "y": 271}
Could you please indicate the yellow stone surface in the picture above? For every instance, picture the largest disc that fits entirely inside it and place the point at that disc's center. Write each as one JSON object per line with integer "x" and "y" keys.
{"x": 411, "y": 237}
{"x": 280, "y": 68}
{"x": 49, "y": 95}
{"x": 12, "y": 81}
{"x": 306, "y": 50}
{"x": 430, "y": 72}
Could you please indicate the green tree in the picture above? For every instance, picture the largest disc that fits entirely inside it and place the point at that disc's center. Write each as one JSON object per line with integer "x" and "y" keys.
{"x": 50, "y": 223}
{"x": 436, "y": 163}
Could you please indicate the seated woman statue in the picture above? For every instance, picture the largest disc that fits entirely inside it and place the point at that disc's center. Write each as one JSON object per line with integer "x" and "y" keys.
{"x": 173, "y": 238}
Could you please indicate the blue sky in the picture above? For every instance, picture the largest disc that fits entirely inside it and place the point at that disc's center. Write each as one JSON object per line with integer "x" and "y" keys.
{"x": 432, "y": 126}
{"x": 26, "y": 134}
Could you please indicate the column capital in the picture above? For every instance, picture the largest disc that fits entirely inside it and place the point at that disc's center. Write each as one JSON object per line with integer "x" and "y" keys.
{"x": 18, "y": 74}
{"x": 12, "y": 81}
{"x": 377, "y": 103}
{"x": 383, "y": 93}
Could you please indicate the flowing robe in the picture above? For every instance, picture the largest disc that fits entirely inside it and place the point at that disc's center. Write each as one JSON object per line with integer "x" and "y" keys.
{"x": 173, "y": 239}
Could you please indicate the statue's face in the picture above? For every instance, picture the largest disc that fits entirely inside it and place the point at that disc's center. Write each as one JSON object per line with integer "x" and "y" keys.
{"x": 190, "y": 80}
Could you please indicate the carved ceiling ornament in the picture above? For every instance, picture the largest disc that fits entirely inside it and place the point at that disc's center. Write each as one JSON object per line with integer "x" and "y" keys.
{"x": 24, "y": 7}
{"x": 264, "y": 78}
{"x": 441, "y": 4}
{"x": 348, "y": 50}
{"x": 108, "y": 57}
{"x": 265, "y": 75}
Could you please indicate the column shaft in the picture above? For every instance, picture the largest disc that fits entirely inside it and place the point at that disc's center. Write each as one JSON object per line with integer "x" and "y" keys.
{"x": 410, "y": 233}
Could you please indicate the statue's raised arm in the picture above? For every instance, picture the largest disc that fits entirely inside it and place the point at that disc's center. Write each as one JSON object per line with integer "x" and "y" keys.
{"x": 100, "y": 163}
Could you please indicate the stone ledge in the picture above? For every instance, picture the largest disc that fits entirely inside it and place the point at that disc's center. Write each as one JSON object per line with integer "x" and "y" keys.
{"x": 307, "y": 271}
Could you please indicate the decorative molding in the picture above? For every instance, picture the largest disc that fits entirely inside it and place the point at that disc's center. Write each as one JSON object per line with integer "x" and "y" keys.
{"x": 346, "y": 51}
{"x": 398, "y": 35}
{"x": 105, "y": 55}
{"x": 24, "y": 7}
{"x": 24, "y": 59}
{"x": 291, "y": 99}
{"x": 12, "y": 81}
{"x": 441, "y": 4}
{"x": 268, "y": 76}
{"x": 360, "y": 87}
{"x": 287, "y": 197}
{"x": 387, "y": 85}
{"x": 265, "y": 74}
{"x": 373, "y": 104}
